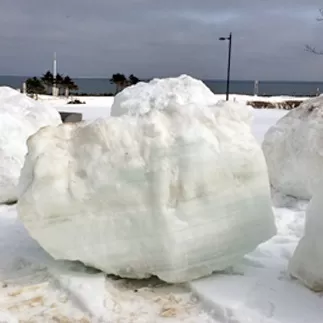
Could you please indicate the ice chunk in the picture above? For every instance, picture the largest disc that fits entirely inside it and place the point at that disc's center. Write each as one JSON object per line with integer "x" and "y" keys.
{"x": 294, "y": 150}
{"x": 7, "y": 317}
{"x": 307, "y": 261}
{"x": 178, "y": 190}
{"x": 20, "y": 117}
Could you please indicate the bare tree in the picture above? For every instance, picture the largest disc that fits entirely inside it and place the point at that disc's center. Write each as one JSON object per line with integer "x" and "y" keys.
{"x": 313, "y": 49}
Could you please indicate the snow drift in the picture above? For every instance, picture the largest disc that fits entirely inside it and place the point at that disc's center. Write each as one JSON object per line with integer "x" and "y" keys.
{"x": 307, "y": 261}
{"x": 20, "y": 117}
{"x": 173, "y": 188}
{"x": 294, "y": 150}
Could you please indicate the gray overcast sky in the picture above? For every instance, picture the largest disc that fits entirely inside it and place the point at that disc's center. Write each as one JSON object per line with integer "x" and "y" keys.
{"x": 162, "y": 37}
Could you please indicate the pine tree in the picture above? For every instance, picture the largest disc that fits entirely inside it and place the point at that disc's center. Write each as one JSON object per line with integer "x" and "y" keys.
{"x": 120, "y": 81}
{"x": 133, "y": 79}
{"x": 35, "y": 86}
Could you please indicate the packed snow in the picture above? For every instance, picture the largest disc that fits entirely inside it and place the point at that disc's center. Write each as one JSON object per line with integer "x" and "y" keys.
{"x": 293, "y": 150}
{"x": 36, "y": 288}
{"x": 20, "y": 117}
{"x": 307, "y": 261}
{"x": 174, "y": 188}
{"x": 170, "y": 95}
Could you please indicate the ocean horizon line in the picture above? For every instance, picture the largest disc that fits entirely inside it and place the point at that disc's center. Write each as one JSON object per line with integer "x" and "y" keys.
{"x": 151, "y": 78}
{"x": 102, "y": 85}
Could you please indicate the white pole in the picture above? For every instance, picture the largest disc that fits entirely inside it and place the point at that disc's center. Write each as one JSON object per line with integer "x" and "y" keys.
{"x": 55, "y": 66}
{"x": 256, "y": 88}
{"x": 54, "y": 90}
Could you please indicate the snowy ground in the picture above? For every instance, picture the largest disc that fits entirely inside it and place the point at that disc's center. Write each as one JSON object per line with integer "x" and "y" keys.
{"x": 36, "y": 288}
{"x": 96, "y": 107}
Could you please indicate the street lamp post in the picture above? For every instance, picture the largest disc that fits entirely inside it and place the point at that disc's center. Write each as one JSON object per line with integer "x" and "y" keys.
{"x": 229, "y": 63}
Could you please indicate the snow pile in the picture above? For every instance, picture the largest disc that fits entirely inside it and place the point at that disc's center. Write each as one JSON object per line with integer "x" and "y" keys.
{"x": 307, "y": 261}
{"x": 176, "y": 190}
{"x": 20, "y": 117}
{"x": 294, "y": 150}
{"x": 161, "y": 94}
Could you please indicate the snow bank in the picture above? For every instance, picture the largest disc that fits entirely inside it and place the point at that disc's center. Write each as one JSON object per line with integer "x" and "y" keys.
{"x": 173, "y": 188}
{"x": 294, "y": 151}
{"x": 307, "y": 261}
{"x": 20, "y": 117}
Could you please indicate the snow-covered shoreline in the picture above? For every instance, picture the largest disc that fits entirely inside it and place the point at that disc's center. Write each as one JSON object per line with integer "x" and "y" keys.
{"x": 98, "y": 100}
{"x": 99, "y": 107}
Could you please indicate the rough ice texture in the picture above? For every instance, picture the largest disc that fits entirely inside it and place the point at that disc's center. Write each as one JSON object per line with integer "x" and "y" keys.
{"x": 174, "y": 188}
{"x": 307, "y": 261}
{"x": 163, "y": 94}
{"x": 294, "y": 150}
{"x": 20, "y": 117}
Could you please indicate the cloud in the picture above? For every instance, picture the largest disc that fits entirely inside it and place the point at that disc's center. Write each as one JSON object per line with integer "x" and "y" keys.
{"x": 161, "y": 38}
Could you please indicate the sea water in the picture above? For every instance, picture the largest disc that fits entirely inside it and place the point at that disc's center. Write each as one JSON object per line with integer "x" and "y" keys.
{"x": 104, "y": 86}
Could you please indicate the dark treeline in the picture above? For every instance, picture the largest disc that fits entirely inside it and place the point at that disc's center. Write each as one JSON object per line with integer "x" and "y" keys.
{"x": 121, "y": 81}
{"x": 66, "y": 84}
{"x": 44, "y": 84}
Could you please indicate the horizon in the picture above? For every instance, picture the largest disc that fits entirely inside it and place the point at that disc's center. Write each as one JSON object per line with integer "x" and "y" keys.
{"x": 150, "y": 78}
